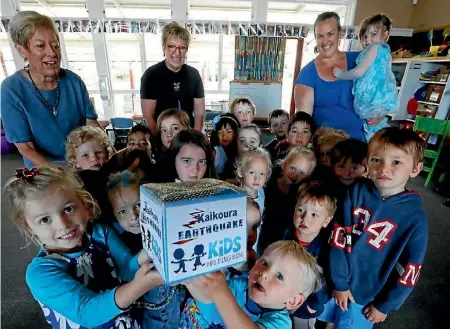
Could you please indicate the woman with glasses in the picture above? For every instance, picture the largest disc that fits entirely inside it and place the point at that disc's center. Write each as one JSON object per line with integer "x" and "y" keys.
{"x": 42, "y": 103}
{"x": 172, "y": 83}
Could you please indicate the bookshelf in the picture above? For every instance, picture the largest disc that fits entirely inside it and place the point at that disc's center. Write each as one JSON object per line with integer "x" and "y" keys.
{"x": 408, "y": 72}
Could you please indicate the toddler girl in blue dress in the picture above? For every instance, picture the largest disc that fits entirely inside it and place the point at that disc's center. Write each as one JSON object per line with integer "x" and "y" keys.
{"x": 375, "y": 87}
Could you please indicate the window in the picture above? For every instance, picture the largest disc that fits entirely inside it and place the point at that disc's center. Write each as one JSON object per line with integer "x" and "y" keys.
{"x": 77, "y": 10}
{"x": 126, "y": 105}
{"x": 81, "y": 58}
{"x": 308, "y": 49}
{"x": 98, "y": 105}
{"x": 228, "y": 61}
{"x": 125, "y": 60}
{"x": 153, "y": 49}
{"x": 8, "y": 67}
{"x": 203, "y": 54}
{"x": 139, "y": 11}
{"x": 295, "y": 13}
{"x": 288, "y": 73}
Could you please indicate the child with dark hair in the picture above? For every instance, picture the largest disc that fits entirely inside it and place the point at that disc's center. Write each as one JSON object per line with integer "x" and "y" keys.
{"x": 134, "y": 160}
{"x": 141, "y": 138}
{"x": 224, "y": 140}
{"x": 191, "y": 157}
{"x": 349, "y": 160}
{"x": 348, "y": 163}
{"x": 300, "y": 131}
{"x": 278, "y": 124}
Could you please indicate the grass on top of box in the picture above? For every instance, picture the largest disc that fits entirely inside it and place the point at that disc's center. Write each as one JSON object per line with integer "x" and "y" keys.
{"x": 170, "y": 192}
{"x": 190, "y": 229}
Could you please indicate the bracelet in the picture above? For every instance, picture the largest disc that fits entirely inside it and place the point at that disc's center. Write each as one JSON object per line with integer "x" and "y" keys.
{"x": 162, "y": 304}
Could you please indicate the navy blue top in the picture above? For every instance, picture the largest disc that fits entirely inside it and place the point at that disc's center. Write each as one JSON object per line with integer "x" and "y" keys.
{"x": 333, "y": 100}
{"x": 27, "y": 119}
{"x": 378, "y": 246}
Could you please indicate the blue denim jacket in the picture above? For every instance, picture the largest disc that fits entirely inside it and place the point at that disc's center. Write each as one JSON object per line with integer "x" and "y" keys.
{"x": 168, "y": 317}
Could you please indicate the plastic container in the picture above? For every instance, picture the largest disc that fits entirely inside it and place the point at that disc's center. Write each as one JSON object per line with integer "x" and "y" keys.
{"x": 7, "y": 147}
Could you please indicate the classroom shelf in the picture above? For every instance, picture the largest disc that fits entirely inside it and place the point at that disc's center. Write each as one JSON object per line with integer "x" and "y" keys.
{"x": 411, "y": 82}
{"x": 433, "y": 82}
{"x": 428, "y": 103}
{"x": 421, "y": 59}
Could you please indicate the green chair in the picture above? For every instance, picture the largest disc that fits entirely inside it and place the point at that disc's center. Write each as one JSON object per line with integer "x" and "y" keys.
{"x": 435, "y": 127}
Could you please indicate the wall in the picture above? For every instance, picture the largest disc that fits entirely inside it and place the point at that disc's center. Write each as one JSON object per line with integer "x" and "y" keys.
{"x": 399, "y": 11}
{"x": 424, "y": 15}
{"x": 430, "y": 13}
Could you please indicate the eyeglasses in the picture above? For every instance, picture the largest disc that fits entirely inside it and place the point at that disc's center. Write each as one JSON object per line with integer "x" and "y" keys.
{"x": 173, "y": 48}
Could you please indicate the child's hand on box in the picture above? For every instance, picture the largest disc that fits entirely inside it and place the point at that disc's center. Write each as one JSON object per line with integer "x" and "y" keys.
{"x": 373, "y": 315}
{"x": 211, "y": 285}
{"x": 147, "y": 276}
{"x": 143, "y": 257}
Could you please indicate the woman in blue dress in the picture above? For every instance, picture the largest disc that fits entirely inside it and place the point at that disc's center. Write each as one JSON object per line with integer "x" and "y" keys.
{"x": 317, "y": 92}
{"x": 374, "y": 88}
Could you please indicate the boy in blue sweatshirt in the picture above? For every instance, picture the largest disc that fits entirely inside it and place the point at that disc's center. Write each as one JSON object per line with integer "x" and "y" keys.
{"x": 314, "y": 210}
{"x": 380, "y": 238}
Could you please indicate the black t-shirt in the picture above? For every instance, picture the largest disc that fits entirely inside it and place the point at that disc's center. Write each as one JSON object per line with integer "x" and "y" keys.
{"x": 172, "y": 89}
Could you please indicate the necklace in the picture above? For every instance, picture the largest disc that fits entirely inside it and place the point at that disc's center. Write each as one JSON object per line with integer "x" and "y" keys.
{"x": 52, "y": 108}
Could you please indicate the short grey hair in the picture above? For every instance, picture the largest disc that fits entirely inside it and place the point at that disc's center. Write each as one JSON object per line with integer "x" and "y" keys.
{"x": 175, "y": 30}
{"x": 24, "y": 25}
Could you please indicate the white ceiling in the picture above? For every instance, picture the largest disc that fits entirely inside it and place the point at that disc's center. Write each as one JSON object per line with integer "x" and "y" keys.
{"x": 293, "y": 5}
{"x": 142, "y": 9}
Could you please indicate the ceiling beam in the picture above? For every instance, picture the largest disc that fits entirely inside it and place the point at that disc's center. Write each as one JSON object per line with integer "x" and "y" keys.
{"x": 300, "y": 9}
{"x": 119, "y": 8}
{"x": 45, "y": 4}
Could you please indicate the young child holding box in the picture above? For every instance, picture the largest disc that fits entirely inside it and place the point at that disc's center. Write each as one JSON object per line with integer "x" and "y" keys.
{"x": 282, "y": 278}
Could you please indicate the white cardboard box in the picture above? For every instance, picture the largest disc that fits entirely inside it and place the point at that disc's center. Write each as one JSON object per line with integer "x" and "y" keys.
{"x": 190, "y": 229}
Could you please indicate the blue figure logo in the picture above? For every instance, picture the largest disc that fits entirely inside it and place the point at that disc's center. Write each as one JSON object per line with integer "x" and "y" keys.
{"x": 178, "y": 254}
{"x": 198, "y": 253}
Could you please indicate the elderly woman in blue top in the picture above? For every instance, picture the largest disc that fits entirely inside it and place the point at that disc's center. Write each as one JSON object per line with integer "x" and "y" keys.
{"x": 42, "y": 103}
{"x": 317, "y": 92}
